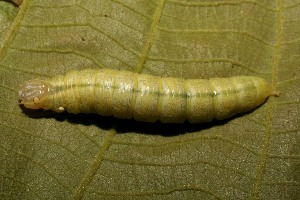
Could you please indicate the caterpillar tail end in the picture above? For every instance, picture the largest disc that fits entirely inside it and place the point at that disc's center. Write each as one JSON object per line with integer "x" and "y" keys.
{"x": 33, "y": 94}
{"x": 275, "y": 93}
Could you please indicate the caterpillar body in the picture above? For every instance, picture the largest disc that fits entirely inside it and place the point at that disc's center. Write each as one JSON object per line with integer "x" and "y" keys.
{"x": 148, "y": 98}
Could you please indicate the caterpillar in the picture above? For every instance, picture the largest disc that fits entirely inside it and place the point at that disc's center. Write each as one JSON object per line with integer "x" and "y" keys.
{"x": 143, "y": 97}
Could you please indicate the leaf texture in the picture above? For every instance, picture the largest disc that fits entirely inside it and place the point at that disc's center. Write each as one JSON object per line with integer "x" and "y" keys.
{"x": 256, "y": 155}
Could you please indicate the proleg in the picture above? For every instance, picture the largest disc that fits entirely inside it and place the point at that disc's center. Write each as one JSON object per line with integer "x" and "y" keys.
{"x": 148, "y": 98}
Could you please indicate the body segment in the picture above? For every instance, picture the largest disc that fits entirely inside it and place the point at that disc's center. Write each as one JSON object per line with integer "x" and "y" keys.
{"x": 147, "y": 98}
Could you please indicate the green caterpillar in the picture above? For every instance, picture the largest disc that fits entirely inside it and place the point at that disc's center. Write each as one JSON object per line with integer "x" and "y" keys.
{"x": 148, "y": 98}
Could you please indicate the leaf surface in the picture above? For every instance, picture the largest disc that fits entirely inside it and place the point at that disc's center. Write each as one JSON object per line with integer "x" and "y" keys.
{"x": 255, "y": 155}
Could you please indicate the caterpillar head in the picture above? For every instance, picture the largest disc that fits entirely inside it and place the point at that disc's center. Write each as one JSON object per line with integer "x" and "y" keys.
{"x": 34, "y": 93}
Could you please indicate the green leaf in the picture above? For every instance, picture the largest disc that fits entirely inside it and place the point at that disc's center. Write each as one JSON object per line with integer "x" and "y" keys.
{"x": 7, "y": 15}
{"x": 255, "y": 155}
